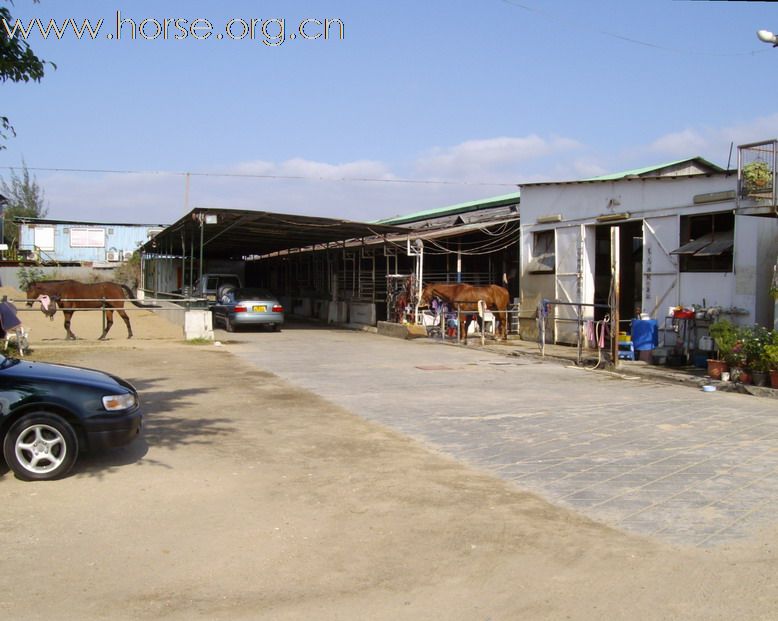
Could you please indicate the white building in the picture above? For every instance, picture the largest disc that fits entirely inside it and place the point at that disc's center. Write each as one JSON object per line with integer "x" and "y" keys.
{"x": 680, "y": 239}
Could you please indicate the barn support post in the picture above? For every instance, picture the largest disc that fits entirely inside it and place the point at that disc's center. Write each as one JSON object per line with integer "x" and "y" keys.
{"x": 459, "y": 262}
{"x": 615, "y": 296}
{"x": 170, "y": 260}
{"x": 183, "y": 259}
{"x": 202, "y": 233}
{"x": 191, "y": 267}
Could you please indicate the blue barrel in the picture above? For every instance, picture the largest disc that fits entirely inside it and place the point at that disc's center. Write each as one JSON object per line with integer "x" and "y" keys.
{"x": 645, "y": 334}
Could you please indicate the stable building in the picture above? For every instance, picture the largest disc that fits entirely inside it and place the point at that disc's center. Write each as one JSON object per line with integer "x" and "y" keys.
{"x": 638, "y": 243}
{"x": 74, "y": 242}
{"x": 340, "y": 271}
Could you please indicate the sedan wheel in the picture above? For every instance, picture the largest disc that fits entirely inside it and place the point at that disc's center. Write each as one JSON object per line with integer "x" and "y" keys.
{"x": 40, "y": 447}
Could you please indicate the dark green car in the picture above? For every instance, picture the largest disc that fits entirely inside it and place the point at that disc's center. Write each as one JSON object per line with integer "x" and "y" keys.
{"x": 50, "y": 412}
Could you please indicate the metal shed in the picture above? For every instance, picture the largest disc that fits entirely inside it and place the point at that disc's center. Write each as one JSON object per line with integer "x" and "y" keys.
{"x": 207, "y": 235}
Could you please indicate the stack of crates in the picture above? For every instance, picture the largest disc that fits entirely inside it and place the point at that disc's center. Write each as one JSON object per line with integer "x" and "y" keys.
{"x": 626, "y": 350}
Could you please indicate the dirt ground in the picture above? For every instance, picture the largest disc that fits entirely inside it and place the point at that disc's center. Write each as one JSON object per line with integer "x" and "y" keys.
{"x": 87, "y": 324}
{"x": 248, "y": 498}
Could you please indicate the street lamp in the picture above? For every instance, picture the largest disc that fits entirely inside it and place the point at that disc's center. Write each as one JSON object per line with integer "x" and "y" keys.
{"x": 767, "y": 37}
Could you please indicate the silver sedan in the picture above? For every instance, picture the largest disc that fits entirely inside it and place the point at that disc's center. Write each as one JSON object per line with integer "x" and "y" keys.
{"x": 247, "y": 307}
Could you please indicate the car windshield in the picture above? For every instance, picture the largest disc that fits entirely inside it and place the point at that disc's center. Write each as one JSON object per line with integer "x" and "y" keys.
{"x": 6, "y": 362}
{"x": 253, "y": 294}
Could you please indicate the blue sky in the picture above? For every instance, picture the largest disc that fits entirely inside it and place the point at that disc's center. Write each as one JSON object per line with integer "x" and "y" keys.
{"x": 440, "y": 102}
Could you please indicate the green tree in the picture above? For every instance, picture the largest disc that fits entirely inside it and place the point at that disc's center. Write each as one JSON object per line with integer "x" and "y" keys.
{"x": 25, "y": 199}
{"x": 128, "y": 273}
{"x": 18, "y": 63}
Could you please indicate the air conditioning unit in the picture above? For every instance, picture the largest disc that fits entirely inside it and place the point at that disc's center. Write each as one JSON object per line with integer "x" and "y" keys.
{"x": 127, "y": 255}
{"x": 112, "y": 255}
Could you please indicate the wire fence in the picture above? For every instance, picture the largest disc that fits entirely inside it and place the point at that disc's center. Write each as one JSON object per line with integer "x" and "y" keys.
{"x": 449, "y": 325}
{"x": 97, "y": 305}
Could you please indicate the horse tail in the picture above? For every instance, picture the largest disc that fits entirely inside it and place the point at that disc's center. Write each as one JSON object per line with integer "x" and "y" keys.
{"x": 131, "y": 297}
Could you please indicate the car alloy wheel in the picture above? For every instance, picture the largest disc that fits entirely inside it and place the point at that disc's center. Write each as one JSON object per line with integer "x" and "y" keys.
{"x": 40, "y": 446}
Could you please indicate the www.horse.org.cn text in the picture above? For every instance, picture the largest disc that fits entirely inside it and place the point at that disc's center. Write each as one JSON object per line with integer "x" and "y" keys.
{"x": 270, "y": 32}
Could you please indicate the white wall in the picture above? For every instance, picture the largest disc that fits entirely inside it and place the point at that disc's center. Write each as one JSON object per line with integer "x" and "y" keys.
{"x": 659, "y": 203}
{"x": 587, "y": 200}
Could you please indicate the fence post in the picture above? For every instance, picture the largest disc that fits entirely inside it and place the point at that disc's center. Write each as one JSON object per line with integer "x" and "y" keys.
{"x": 482, "y": 314}
{"x": 102, "y": 312}
{"x": 580, "y": 329}
{"x": 541, "y": 315}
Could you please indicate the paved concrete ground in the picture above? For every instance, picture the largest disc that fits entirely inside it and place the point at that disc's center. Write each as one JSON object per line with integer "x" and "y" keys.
{"x": 690, "y": 467}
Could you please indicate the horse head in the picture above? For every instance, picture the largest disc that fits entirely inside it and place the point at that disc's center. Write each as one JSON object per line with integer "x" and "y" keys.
{"x": 426, "y": 295}
{"x": 33, "y": 291}
{"x": 37, "y": 293}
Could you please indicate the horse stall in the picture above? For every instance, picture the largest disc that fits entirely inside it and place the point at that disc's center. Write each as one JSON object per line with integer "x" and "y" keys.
{"x": 336, "y": 271}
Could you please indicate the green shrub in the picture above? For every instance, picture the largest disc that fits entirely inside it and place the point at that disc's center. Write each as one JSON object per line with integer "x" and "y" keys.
{"x": 726, "y": 334}
{"x": 28, "y": 275}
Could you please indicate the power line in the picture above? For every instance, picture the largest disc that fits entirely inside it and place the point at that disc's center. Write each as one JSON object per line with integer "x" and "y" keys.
{"x": 259, "y": 176}
{"x": 615, "y": 35}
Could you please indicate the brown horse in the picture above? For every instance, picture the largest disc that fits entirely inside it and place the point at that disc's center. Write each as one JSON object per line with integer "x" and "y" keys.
{"x": 71, "y": 295}
{"x": 495, "y": 297}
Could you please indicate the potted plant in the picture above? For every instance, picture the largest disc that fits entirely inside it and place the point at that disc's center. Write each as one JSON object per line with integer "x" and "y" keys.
{"x": 757, "y": 177}
{"x": 771, "y": 356}
{"x": 724, "y": 335}
{"x": 755, "y": 339}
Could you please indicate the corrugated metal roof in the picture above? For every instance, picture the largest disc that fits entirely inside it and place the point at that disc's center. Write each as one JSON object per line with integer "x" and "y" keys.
{"x": 652, "y": 170}
{"x": 27, "y": 220}
{"x": 438, "y": 212}
{"x": 648, "y": 172}
{"x": 239, "y": 233}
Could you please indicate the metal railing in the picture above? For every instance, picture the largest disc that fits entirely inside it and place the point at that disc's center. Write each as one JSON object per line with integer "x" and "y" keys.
{"x": 543, "y": 314}
{"x": 440, "y": 327}
{"x": 103, "y": 308}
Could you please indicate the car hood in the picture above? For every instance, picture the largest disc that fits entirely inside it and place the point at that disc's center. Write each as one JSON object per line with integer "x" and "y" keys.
{"x": 22, "y": 370}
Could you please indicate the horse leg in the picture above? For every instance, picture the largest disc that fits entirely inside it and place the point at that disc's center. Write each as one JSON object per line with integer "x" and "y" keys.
{"x": 108, "y": 323}
{"x": 68, "y": 315}
{"x": 499, "y": 324}
{"x": 123, "y": 315}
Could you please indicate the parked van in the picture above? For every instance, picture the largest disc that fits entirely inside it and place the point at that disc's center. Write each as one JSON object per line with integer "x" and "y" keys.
{"x": 209, "y": 285}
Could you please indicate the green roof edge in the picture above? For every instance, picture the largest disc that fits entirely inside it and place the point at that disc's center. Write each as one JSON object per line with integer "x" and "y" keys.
{"x": 641, "y": 171}
{"x": 484, "y": 203}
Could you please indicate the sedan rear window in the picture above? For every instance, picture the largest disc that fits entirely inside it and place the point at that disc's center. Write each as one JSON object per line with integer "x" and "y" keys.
{"x": 253, "y": 294}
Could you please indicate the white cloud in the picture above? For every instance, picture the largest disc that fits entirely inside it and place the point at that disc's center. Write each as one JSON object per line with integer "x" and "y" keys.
{"x": 161, "y": 198}
{"x": 299, "y": 167}
{"x": 492, "y": 159}
{"x": 714, "y": 143}
{"x": 685, "y": 143}
{"x": 318, "y": 188}
{"x": 134, "y": 198}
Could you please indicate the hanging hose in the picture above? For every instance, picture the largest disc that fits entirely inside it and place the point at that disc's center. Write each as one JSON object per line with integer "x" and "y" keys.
{"x": 600, "y": 332}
